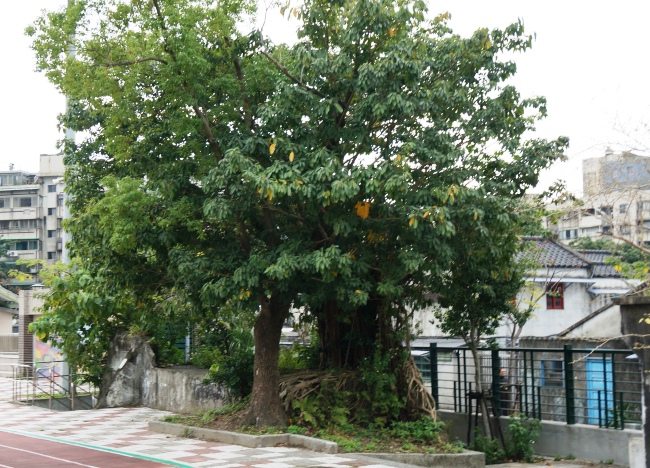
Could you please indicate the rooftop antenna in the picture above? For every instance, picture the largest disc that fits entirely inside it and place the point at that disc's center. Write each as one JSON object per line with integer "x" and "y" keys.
{"x": 11, "y": 166}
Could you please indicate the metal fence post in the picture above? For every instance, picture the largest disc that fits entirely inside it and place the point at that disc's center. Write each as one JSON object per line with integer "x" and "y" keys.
{"x": 496, "y": 382}
{"x": 569, "y": 385}
{"x": 433, "y": 363}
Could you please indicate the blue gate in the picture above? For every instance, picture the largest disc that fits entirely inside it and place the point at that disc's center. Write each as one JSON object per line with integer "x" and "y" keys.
{"x": 600, "y": 391}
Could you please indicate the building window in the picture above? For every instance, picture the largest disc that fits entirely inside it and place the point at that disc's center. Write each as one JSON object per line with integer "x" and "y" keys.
{"x": 569, "y": 234}
{"x": 552, "y": 372}
{"x": 25, "y": 245}
{"x": 555, "y": 297}
{"x": 25, "y": 202}
{"x": 59, "y": 200}
{"x": 625, "y": 230}
{"x": 645, "y": 206}
{"x": 51, "y": 188}
{"x": 5, "y": 203}
{"x": 606, "y": 210}
{"x": 51, "y": 233}
{"x": 622, "y": 208}
{"x": 51, "y": 211}
{"x": 51, "y": 255}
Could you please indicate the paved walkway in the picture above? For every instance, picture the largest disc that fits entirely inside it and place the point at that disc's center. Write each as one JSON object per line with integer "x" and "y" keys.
{"x": 124, "y": 430}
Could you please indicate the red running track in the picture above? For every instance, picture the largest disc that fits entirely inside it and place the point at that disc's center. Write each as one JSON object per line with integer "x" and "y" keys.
{"x": 20, "y": 451}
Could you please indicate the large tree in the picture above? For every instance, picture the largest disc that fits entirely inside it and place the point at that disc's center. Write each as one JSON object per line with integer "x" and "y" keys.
{"x": 338, "y": 173}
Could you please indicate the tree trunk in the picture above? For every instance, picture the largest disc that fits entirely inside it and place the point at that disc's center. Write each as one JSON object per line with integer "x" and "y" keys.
{"x": 265, "y": 408}
{"x": 347, "y": 337}
{"x": 487, "y": 432}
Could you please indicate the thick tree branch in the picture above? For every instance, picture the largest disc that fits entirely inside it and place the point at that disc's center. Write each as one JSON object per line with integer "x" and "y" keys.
{"x": 130, "y": 62}
{"x": 285, "y": 213}
{"x": 208, "y": 132}
{"x": 286, "y": 72}
{"x": 248, "y": 118}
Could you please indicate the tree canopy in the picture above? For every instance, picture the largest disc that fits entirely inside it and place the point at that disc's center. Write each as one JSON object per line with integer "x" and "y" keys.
{"x": 347, "y": 174}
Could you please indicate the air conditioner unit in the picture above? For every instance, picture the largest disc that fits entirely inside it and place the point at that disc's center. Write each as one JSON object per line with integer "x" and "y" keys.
{"x": 12, "y": 253}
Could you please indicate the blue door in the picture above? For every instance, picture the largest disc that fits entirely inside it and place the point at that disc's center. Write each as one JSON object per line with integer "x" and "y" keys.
{"x": 600, "y": 391}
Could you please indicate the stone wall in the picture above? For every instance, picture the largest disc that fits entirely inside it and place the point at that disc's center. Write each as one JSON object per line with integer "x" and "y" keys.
{"x": 134, "y": 380}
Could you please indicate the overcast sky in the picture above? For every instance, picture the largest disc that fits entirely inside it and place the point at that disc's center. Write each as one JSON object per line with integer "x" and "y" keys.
{"x": 589, "y": 60}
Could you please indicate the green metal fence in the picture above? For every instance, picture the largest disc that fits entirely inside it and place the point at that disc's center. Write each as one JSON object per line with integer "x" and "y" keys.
{"x": 577, "y": 386}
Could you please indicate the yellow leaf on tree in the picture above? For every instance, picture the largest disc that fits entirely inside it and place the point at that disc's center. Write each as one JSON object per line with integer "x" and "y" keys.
{"x": 618, "y": 267}
{"x": 358, "y": 291}
{"x": 291, "y": 156}
{"x": 363, "y": 209}
{"x": 411, "y": 221}
{"x": 426, "y": 213}
{"x": 269, "y": 194}
{"x": 391, "y": 31}
{"x": 272, "y": 148}
{"x": 647, "y": 321}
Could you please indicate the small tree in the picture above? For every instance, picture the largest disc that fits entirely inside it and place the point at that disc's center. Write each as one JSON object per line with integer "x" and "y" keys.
{"x": 481, "y": 285}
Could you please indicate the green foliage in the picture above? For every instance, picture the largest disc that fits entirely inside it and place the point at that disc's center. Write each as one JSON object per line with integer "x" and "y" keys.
{"x": 328, "y": 407}
{"x": 382, "y": 400}
{"x": 377, "y": 159}
{"x": 622, "y": 252}
{"x": 204, "y": 356}
{"x": 425, "y": 430}
{"x": 628, "y": 260}
{"x": 235, "y": 372}
{"x": 299, "y": 357}
{"x": 491, "y": 447}
{"x": 522, "y": 435}
{"x": 299, "y": 430}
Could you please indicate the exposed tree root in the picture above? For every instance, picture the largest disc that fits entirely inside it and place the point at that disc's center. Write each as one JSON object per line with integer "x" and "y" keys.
{"x": 299, "y": 385}
{"x": 418, "y": 398}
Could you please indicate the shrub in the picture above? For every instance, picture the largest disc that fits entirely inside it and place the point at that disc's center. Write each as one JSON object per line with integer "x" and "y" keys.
{"x": 490, "y": 447}
{"x": 235, "y": 372}
{"x": 522, "y": 434}
{"x": 205, "y": 355}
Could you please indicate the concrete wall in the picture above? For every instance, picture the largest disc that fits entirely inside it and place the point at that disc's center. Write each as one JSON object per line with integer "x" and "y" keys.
{"x": 6, "y": 321}
{"x": 180, "y": 389}
{"x": 582, "y": 441}
{"x": 134, "y": 380}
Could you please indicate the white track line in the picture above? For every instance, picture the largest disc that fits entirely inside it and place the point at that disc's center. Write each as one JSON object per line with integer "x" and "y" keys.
{"x": 47, "y": 456}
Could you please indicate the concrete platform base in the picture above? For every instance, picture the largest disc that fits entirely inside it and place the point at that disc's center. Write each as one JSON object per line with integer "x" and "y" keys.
{"x": 466, "y": 459}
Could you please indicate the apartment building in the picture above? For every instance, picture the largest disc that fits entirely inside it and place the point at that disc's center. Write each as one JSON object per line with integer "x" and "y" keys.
{"x": 31, "y": 212}
{"x": 616, "y": 201}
